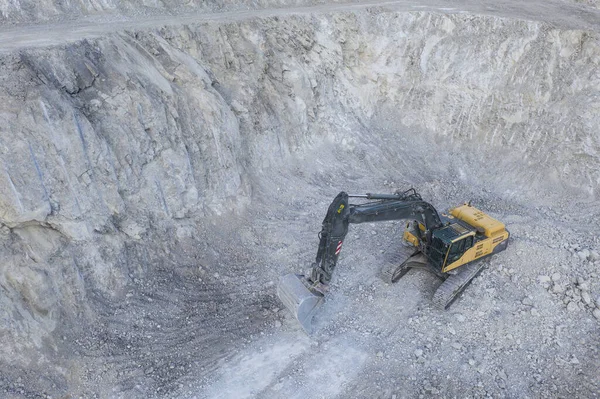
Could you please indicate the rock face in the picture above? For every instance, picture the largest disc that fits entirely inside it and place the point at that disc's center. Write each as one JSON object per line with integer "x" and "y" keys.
{"x": 157, "y": 118}
{"x": 132, "y": 163}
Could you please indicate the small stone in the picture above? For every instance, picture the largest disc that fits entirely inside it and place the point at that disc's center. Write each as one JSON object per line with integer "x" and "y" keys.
{"x": 572, "y": 306}
{"x": 583, "y": 254}
{"x": 451, "y": 330}
{"x": 556, "y": 277}
{"x": 456, "y": 346}
{"x": 527, "y": 301}
{"x": 575, "y": 247}
{"x": 596, "y": 313}
{"x": 586, "y": 298}
{"x": 502, "y": 384}
{"x": 472, "y": 362}
{"x": 594, "y": 256}
{"x": 558, "y": 289}
{"x": 598, "y": 302}
{"x": 534, "y": 312}
{"x": 502, "y": 374}
{"x": 460, "y": 317}
{"x": 418, "y": 353}
{"x": 380, "y": 354}
{"x": 544, "y": 279}
{"x": 277, "y": 324}
{"x": 584, "y": 286}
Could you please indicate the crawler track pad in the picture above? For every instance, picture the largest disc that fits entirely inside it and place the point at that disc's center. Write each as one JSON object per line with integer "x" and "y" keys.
{"x": 299, "y": 299}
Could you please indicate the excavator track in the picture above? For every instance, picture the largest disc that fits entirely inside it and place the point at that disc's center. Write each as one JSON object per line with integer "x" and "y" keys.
{"x": 455, "y": 284}
{"x": 397, "y": 264}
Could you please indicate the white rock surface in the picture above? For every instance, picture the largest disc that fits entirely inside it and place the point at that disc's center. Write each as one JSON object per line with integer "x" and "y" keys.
{"x": 157, "y": 182}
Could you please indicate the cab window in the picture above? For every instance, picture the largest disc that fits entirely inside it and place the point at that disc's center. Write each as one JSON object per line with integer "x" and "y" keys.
{"x": 458, "y": 249}
{"x": 468, "y": 242}
{"x": 438, "y": 252}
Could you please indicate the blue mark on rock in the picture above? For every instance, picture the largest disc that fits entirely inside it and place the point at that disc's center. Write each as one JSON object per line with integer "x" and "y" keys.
{"x": 40, "y": 174}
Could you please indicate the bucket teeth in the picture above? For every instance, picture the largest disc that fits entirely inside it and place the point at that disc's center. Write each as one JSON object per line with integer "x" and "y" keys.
{"x": 299, "y": 299}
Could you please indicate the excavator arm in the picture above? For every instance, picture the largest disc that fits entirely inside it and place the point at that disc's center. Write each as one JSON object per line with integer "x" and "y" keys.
{"x": 303, "y": 294}
{"x": 340, "y": 214}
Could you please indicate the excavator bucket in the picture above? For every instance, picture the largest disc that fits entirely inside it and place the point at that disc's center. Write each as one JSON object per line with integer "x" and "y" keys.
{"x": 299, "y": 299}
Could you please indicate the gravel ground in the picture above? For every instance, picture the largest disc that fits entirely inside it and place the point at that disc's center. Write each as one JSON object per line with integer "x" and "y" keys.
{"x": 526, "y": 327}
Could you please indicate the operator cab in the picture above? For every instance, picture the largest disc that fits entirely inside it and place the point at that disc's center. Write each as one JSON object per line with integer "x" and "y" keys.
{"x": 449, "y": 243}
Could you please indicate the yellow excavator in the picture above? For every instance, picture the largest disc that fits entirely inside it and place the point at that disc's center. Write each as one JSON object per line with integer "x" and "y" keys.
{"x": 446, "y": 245}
